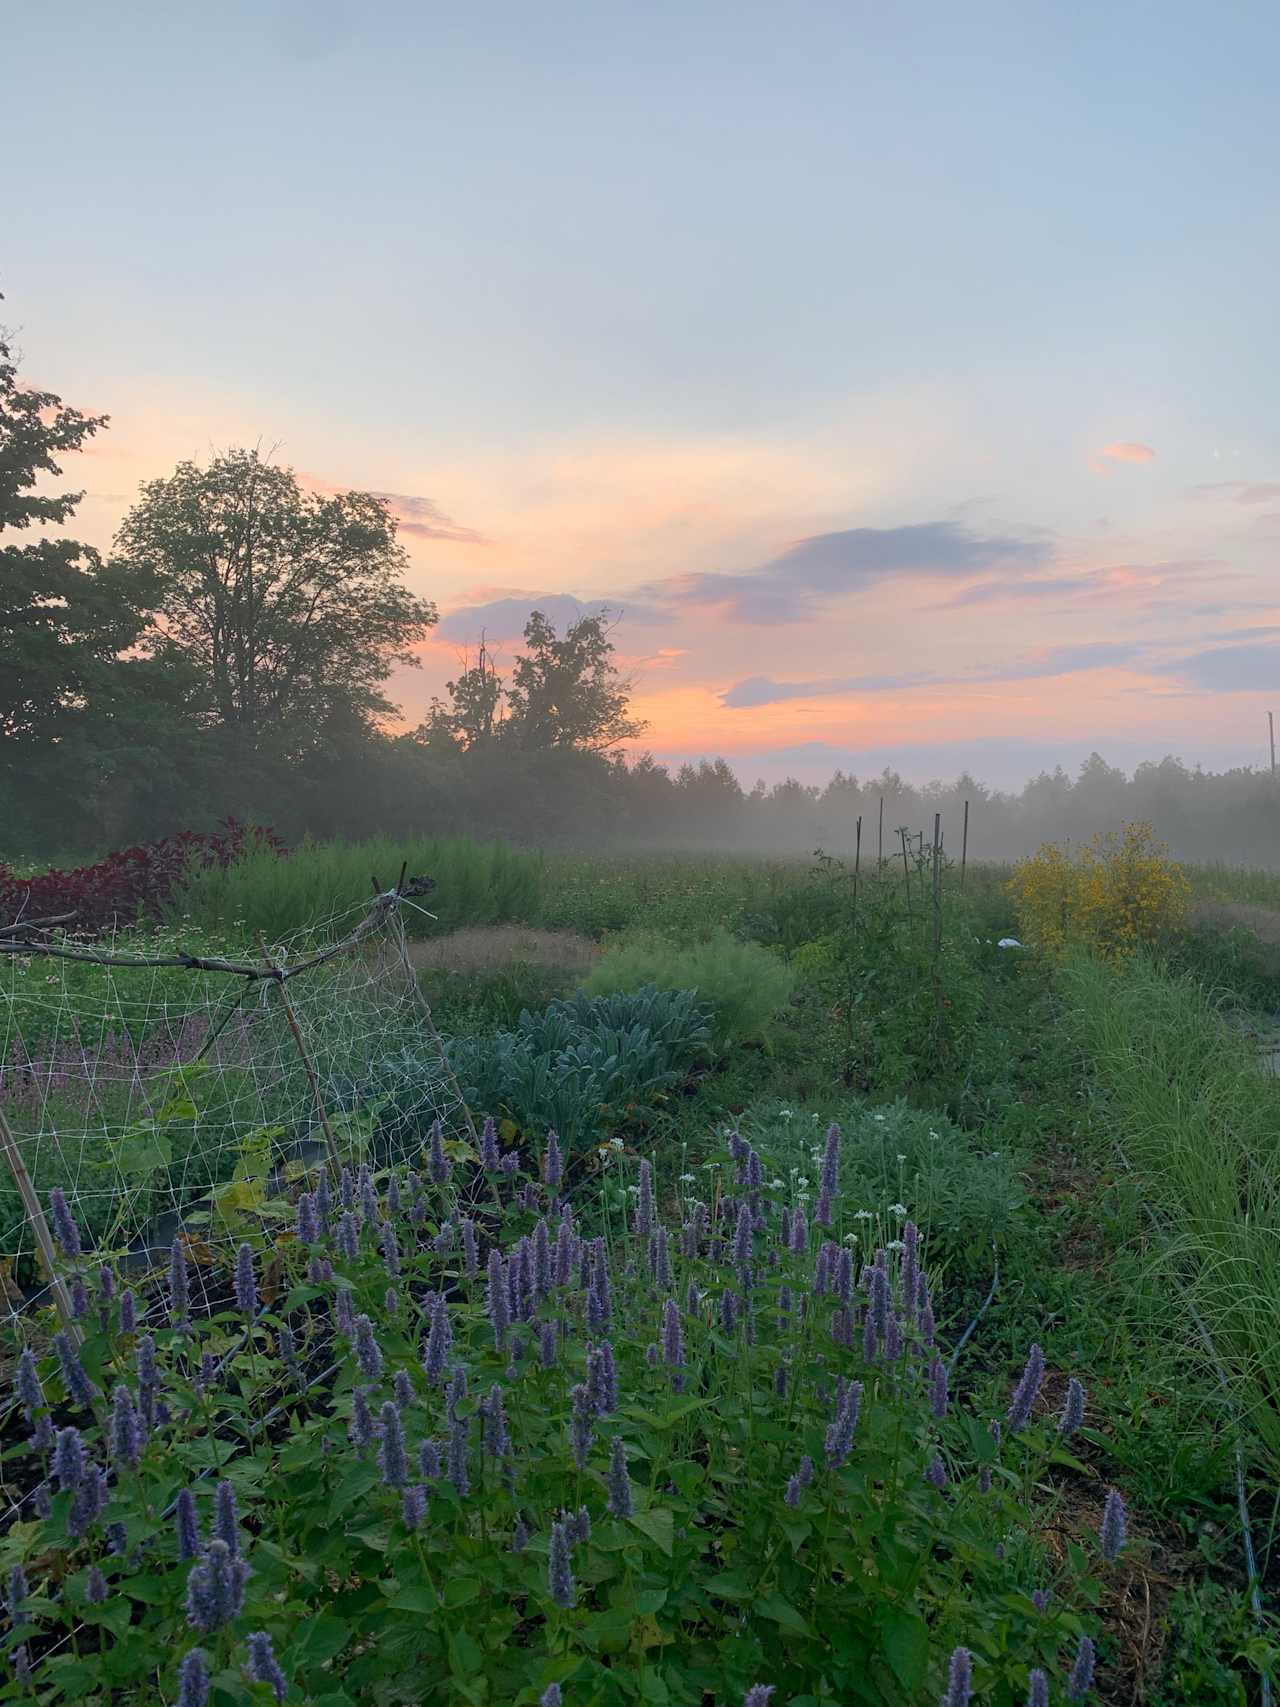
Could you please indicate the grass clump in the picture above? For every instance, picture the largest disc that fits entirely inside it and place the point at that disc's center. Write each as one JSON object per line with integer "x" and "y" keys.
{"x": 1195, "y": 1117}
{"x": 325, "y": 886}
{"x": 743, "y": 984}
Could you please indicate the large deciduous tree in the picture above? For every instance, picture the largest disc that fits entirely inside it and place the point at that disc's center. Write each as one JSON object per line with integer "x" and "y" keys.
{"x": 290, "y": 606}
{"x": 65, "y": 617}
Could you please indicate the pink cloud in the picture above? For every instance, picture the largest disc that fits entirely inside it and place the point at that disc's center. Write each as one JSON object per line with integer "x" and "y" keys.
{"x": 1123, "y": 450}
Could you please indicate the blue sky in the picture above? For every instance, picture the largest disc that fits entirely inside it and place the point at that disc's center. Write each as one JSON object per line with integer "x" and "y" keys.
{"x": 663, "y": 306}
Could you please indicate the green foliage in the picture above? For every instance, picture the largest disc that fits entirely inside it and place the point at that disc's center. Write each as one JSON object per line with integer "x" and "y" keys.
{"x": 1234, "y": 962}
{"x": 699, "y": 1583}
{"x": 581, "y": 1064}
{"x": 326, "y": 885}
{"x": 1186, "y": 1100}
{"x": 743, "y": 984}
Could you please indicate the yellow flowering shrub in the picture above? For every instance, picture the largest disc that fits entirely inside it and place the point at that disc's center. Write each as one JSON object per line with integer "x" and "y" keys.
{"x": 1115, "y": 894}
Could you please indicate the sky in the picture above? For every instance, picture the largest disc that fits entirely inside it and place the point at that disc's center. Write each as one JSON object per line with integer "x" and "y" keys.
{"x": 904, "y": 377}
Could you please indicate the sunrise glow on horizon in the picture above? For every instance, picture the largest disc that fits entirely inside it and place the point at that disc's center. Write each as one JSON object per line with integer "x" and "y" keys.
{"x": 897, "y": 393}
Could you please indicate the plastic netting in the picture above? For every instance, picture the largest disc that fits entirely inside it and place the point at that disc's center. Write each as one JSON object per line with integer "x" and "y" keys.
{"x": 162, "y": 1098}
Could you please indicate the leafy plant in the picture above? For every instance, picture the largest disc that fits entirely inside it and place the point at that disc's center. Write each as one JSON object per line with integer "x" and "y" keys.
{"x": 1118, "y": 893}
{"x": 743, "y": 984}
{"x": 414, "y": 1455}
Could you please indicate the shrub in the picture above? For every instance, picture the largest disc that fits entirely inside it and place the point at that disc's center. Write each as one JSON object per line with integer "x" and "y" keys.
{"x": 578, "y": 1064}
{"x": 1118, "y": 893}
{"x": 135, "y": 881}
{"x": 477, "y": 883}
{"x": 415, "y": 1456}
{"x": 743, "y": 984}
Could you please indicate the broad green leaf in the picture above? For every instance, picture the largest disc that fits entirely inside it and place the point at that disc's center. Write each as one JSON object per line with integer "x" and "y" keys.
{"x": 459, "y": 1590}
{"x": 415, "y": 1597}
{"x": 783, "y": 1613}
{"x": 658, "y": 1525}
{"x": 905, "y": 1638}
{"x": 319, "y": 1639}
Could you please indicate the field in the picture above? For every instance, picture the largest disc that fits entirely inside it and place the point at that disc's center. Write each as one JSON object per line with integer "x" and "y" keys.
{"x": 892, "y": 1315}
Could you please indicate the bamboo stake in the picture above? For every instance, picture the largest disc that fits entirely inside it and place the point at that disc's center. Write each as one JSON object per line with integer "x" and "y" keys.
{"x": 964, "y": 846}
{"x": 40, "y": 1227}
{"x": 857, "y": 863}
{"x": 330, "y": 1142}
{"x": 906, "y": 869}
{"x": 880, "y": 855}
{"x": 937, "y": 907}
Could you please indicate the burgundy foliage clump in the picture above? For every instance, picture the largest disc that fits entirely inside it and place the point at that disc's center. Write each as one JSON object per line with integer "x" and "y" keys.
{"x": 118, "y": 889}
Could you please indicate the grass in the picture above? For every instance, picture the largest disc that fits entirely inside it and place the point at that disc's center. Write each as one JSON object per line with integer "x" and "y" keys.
{"x": 1184, "y": 1100}
{"x": 326, "y": 886}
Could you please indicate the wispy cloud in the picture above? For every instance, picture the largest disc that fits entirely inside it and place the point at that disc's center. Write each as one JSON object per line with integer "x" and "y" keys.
{"x": 503, "y": 618}
{"x": 424, "y": 518}
{"x": 1053, "y": 661}
{"x": 1240, "y": 491}
{"x": 1247, "y": 668}
{"x": 813, "y": 572}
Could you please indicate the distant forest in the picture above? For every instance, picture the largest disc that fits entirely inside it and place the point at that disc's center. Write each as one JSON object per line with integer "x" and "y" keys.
{"x": 229, "y": 656}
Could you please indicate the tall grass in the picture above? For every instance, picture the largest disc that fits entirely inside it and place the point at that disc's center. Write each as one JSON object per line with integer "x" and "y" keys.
{"x": 1248, "y": 883}
{"x": 322, "y": 885}
{"x": 1199, "y": 1123}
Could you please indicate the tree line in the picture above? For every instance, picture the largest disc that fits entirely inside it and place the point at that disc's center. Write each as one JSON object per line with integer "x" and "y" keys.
{"x": 230, "y": 656}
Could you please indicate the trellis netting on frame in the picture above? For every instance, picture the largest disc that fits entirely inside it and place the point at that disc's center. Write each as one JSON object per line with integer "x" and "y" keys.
{"x": 170, "y": 1098}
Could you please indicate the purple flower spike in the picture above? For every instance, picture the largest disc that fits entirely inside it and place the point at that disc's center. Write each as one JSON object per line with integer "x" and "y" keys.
{"x": 550, "y": 1696}
{"x": 179, "y": 1285}
{"x": 910, "y": 1268}
{"x": 68, "y": 1458}
{"x": 553, "y": 1162}
{"x": 560, "y": 1569}
{"x": 215, "y": 1589}
{"x": 959, "y": 1680}
{"x": 1038, "y": 1689}
{"x": 368, "y": 1356}
{"x": 402, "y": 1384}
{"x": 1111, "y": 1536}
{"x": 263, "y": 1666}
{"x": 547, "y": 1345}
{"x": 361, "y": 1430}
{"x": 308, "y": 1222}
{"x": 27, "y": 1384}
{"x": 80, "y": 1390}
{"x": 391, "y": 1455}
{"x": 187, "y": 1524}
{"x": 347, "y": 1237}
{"x": 672, "y": 1335}
{"x": 126, "y": 1429}
{"x": 599, "y": 1302}
{"x": 193, "y": 1680}
{"x": 839, "y": 1439}
{"x": 618, "y": 1481}
{"x": 95, "y": 1588}
{"x": 128, "y": 1311}
{"x": 246, "y": 1282}
{"x": 470, "y": 1256}
{"x": 580, "y": 1430}
{"x": 226, "y": 1519}
{"x": 1040, "y": 1598}
{"x": 390, "y": 1249}
{"x": 413, "y": 1506}
{"x": 1024, "y": 1395}
{"x": 366, "y": 1196}
{"x": 458, "y": 1467}
{"x": 343, "y": 1318}
{"x": 499, "y": 1303}
{"x": 79, "y": 1299}
{"x": 429, "y": 1461}
{"x": 799, "y": 1233}
{"x": 65, "y": 1230}
{"x": 489, "y": 1157}
{"x": 742, "y": 1241}
{"x": 1072, "y": 1409}
{"x": 1081, "y": 1680}
{"x": 439, "y": 1340}
{"x": 758, "y": 1695}
{"x": 936, "y": 1473}
{"x": 438, "y": 1166}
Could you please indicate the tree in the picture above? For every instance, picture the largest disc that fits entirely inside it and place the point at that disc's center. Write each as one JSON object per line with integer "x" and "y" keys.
{"x": 289, "y": 605}
{"x": 65, "y": 617}
{"x": 474, "y": 719}
{"x": 567, "y": 692}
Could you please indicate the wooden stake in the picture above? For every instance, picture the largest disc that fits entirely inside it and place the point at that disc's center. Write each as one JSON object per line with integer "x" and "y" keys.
{"x": 857, "y": 863}
{"x": 40, "y": 1227}
{"x": 1271, "y": 727}
{"x": 937, "y": 905}
{"x": 880, "y": 856}
{"x": 964, "y": 846}
{"x": 330, "y": 1141}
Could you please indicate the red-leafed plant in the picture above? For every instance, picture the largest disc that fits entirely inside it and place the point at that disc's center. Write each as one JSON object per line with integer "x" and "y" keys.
{"x": 128, "y": 884}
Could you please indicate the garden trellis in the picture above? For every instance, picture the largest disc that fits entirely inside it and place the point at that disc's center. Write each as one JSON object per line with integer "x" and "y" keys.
{"x": 167, "y": 1091}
